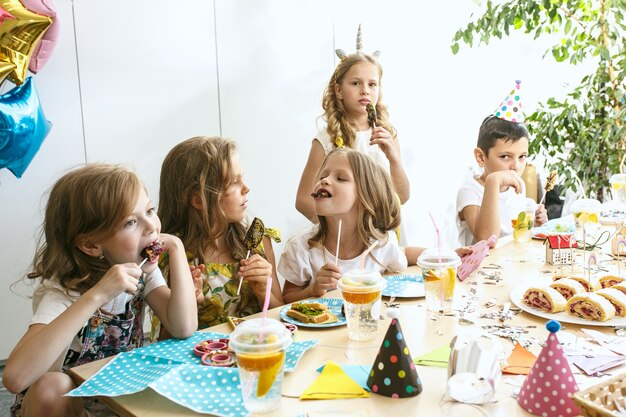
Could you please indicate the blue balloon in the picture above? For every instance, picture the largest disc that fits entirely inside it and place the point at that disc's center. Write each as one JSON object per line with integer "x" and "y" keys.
{"x": 23, "y": 127}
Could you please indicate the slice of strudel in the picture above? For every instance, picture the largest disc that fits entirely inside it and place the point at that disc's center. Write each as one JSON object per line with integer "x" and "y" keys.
{"x": 617, "y": 298}
{"x": 591, "y": 306}
{"x": 546, "y": 299}
{"x": 590, "y": 285}
{"x": 610, "y": 280}
{"x": 568, "y": 287}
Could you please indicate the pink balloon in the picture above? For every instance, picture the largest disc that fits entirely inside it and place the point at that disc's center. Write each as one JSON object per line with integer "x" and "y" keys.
{"x": 4, "y": 15}
{"x": 44, "y": 48}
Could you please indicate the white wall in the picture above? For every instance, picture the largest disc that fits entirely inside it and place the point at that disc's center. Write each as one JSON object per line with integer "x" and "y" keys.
{"x": 130, "y": 79}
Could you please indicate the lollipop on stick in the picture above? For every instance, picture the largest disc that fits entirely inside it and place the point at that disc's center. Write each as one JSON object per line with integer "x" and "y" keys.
{"x": 371, "y": 114}
{"x": 254, "y": 236}
{"x": 151, "y": 252}
{"x": 550, "y": 183}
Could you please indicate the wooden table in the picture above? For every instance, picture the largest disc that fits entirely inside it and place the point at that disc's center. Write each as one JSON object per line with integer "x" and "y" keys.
{"x": 518, "y": 262}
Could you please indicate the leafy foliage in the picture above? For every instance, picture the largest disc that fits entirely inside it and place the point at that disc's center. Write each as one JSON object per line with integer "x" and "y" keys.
{"x": 584, "y": 134}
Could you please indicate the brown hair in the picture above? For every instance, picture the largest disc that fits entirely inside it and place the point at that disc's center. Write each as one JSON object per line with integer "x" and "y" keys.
{"x": 200, "y": 166}
{"x": 379, "y": 208}
{"x": 334, "y": 112}
{"x": 93, "y": 201}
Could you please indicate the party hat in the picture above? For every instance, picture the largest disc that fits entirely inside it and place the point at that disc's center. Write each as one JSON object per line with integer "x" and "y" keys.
{"x": 511, "y": 107}
{"x": 393, "y": 373}
{"x": 550, "y": 383}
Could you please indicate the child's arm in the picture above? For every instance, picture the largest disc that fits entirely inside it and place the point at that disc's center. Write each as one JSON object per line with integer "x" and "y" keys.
{"x": 325, "y": 280}
{"x": 484, "y": 220}
{"x": 412, "y": 253}
{"x": 43, "y": 344}
{"x": 176, "y": 305}
{"x": 257, "y": 270}
{"x": 391, "y": 149}
{"x": 541, "y": 215}
{"x": 304, "y": 202}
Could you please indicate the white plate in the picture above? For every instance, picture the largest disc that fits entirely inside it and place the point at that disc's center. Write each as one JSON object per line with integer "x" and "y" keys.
{"x": 517, "y": 296}
{"x": 334, "y": 305}
{"x": 404, "y": 286}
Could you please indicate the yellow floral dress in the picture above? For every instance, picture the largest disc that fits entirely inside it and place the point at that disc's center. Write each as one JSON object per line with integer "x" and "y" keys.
{"x": 219, "y": 286}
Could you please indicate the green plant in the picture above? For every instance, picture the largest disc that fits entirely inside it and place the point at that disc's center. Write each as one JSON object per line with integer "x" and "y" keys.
{"x": 583, "y": 134}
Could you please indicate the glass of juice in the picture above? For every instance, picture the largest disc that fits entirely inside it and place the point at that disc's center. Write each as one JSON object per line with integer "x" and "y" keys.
{"x": 524, "y": 221}
{"x": 260, "y": 347}
{"x": 361, "y": 290}
{"x": 439, "y": 271}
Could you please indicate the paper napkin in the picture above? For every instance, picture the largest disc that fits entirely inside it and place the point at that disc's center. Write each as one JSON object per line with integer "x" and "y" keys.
{"x": 613, "y": 343}
{"x": 593, "y": 365}
{"x": 520, "y": 362}
{"x": 333, "y": 383}
{"x": 358, "y": 373}
{"x": 438, "y": 357}
{"x": 471, "y": 262}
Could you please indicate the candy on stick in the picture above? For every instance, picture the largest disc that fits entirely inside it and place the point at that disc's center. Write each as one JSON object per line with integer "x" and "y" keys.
{"x": 550, "y": 183}
{"x": 152, "y": 251}
{"x": 253, "y": 238}
{"x": 371, "y": 114}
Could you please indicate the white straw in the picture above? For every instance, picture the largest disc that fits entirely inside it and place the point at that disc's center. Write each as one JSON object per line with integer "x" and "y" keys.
{"x": 338, "y": 241}
{"x": 367, "y": 251}
{"x": 241, "y": 279}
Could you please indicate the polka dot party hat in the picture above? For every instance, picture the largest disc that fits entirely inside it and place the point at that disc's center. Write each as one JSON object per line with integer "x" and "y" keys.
{"x": 393, "y": 373}
{"x": 511, "y": 107}
{"x": 550, "y": 383}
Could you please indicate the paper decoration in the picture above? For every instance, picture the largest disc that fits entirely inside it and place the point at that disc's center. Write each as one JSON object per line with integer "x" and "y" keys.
{"x": 593, "y": 365}
{"x": 333, "y": 383}
{"x": 393, "y": 373}
{"x": 358, "y": 373}
{"x": 438, "y": 357}
{"x": 520, "y": 362}
{"x": 469, "y": 263}
{"x": 547, "y": 389}
{"x": 511, "y": 107}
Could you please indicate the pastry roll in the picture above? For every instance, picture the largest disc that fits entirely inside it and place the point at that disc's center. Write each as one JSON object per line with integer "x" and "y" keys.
{"x": 617, "y": 298}
{"x": 610, "y": 280}
{"x": 568, "y": 287}
{"x": 621, "y": 287}
{"x": 589, "y": 286}
{"x": 546, "y": 299}
{"x": 591, "y": 306}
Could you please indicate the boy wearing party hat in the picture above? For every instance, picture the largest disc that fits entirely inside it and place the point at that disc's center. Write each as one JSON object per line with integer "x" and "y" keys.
{"x": 486, "y": 203}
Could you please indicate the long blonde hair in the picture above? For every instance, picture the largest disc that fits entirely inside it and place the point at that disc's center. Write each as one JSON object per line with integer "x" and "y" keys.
{"x": 379, "y": 209}
{"x": 93, "y": 201}
{"x": 199, "y": 167}
{"x": 338, "y": 125}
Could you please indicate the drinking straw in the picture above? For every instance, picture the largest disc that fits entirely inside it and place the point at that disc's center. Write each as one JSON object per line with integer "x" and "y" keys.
{"x": 438, "y": 241}
{"x": 367, "y": 251}
{"x": 266, "y": 304}
{"x": 338, "y": 241}
{"x": 241, "y": 280}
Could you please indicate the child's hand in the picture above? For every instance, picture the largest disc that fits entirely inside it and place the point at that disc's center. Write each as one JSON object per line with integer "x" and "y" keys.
{"x": 505, "y": 180}
{"x": 387, "y": 143}
{"x": 257, "y": 271}
{"x": 197, "y": 274}
{"x": 463, "y": 251}
{"x": 170, "y": 242}
{"x": 541, "y": 215}
{"x": 118, "y": 279}
{"x": 326, "y": 279}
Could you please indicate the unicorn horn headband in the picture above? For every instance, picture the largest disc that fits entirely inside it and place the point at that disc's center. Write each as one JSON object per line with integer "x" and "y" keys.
{"x": 359, "y": 47}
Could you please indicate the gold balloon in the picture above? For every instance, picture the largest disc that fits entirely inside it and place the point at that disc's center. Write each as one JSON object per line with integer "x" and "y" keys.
{"x": 5, "y": 69}
{"x": 19, "y": 35}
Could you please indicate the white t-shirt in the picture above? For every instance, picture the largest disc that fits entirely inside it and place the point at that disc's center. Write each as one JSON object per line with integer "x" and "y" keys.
{"x": 361, "y": 144}
{"x": 50, "y": 299}
{"x": 300, "y": 264}
{"x": 471, "y": 194}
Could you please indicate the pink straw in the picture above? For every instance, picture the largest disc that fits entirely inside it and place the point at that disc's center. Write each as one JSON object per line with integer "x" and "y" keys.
{"x": 266, "y": 304}
{"x": 436, "y": 230}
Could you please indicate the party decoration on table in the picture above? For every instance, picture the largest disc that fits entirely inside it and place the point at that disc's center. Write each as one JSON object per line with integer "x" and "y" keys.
{"x": 254, "y": 237}
{"x": 333, "y": 383}
{"x": 474, "y": 369}
{"x": 19, "y": 36}
{"x": 44, "y": 48}
{"x": 23, "y": 127}
{"x": 548, "y": 388}
{"x": 594, "y": 365}
{"x": 613, "y": 343}
{"x": 520, "y": 362}
{"x": 393, "y": 373}
{"x": 511, "y": 107}
{"x": 618, "y": 242}
{"x": 359, "y": 373}
{"x": 359, "y": 47}
{"x": 404, "y": 286}
{"x": 550, "y": 183}
{"x": 438, "y": 357}
{"x": 555, "y": 255}
{"x": 371, "y": 115}
{"x": 471, "y": 262}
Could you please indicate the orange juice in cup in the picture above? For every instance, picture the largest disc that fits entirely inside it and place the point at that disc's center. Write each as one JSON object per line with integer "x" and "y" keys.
{"x": 439, "y": 272}
{"x": 260, "y": 348}
{"x": 361, "y": 291}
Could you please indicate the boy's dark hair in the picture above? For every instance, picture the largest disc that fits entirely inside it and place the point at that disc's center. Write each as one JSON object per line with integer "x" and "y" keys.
{"x": 494, "y": 128}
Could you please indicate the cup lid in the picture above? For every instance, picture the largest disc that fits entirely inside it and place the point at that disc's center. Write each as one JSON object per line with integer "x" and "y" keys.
{"x": 361, "y": 278}
{"x": 586, "y": 204}
{"x": 257, "y": 336}
{"x": 530, "y": 204}
{"x": 438, "y": 258}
